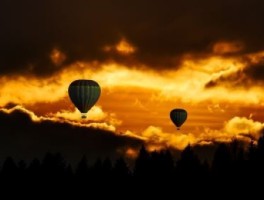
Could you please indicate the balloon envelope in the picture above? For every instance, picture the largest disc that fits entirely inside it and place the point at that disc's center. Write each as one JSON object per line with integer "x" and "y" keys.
{"x": 84, "y": 94}
{"x": 178, "y": 117}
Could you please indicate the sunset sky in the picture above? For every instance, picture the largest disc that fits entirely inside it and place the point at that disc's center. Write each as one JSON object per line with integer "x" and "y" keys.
{"x": 149, "y": 57}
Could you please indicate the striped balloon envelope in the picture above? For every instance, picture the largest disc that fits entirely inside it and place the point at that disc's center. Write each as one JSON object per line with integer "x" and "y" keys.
{"x": 178, "y": 117}
{"x": 84, "y": 94}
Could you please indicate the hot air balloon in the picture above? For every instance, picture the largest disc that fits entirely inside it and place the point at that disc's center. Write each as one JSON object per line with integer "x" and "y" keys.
{"x": 178, "y": 117}
{"x": 84, "y": 94}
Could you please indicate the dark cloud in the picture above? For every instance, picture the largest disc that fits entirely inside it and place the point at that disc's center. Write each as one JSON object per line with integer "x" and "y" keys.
{"x": 22, "y": 138}
{"x": 255, "y": 71}
{"x": 236, "y": 79}
{"x": 252, "y": 74}
{"x": 9, "y": 105}
{"x": 161, "y": 31}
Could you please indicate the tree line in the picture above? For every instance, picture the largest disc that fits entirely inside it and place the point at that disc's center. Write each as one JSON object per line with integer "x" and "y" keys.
{"x": 232, "y": 163}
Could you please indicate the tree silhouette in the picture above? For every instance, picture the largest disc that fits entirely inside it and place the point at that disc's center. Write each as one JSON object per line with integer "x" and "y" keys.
{"x": 232, "y": 164}
{"x": 107, "y": 169}
{"x": 222, "y": 161}
{"x": 121, "y": 170}
{"x": 53, "y": 169}
{"x": 188, "y": 167}
{"x": 82, "y": 169}
{"x": 21, "y": 170}
{"x": 34, "y": 170}
{"x": 142, "y": 164}
{"x": 9, "y": 170}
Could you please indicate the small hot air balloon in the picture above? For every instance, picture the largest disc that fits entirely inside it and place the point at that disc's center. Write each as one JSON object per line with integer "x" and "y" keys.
{"x": 178, "y": 117}
{"x": 84, "y": 94}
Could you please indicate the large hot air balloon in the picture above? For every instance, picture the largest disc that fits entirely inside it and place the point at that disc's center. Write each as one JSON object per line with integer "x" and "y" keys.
{"x": 84, "y": 94}
{"x": 178, "y": 117}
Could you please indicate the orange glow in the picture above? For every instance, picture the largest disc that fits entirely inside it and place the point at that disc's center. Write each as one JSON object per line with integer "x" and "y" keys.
{"x": 227, "y": 47}
{"x": 131, "y": 153}
{"x": 124, "y": 47}
{"x": 57, "y": 57}
{"x": 136, "y": 102}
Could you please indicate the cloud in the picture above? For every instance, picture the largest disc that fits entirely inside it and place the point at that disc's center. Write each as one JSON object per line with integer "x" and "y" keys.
{"x": 215, "y": 108}
{"x": 73, "y": 118}
{"x": 240, "y": 128}
{"x": 155, "y": 138}
{"x": 210, "y": 77}
{"x": 96, "y": 118}
{"x": 225, "y": 47}
{"x": 38, "y": 134}
{"x": 24, "y": 136}
{"x": 134, "y": 99}
{"x": 19, "y": 109}
{"x": 95, "y": 113}
{"x": 123, "y": 47}
{"x": 243, "y": 125}
{"x": 248, "y": 74}
{"x": 57, "y": 57}
{"x": 161, "y": 32}
{"x": 255, "y": 72}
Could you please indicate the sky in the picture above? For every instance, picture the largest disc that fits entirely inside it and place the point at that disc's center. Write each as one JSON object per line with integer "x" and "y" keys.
{"x": 149, "y": 57}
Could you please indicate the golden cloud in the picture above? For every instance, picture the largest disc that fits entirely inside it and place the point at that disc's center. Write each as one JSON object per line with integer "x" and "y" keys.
{"x": 123, "y": 47}
{"x": 96, "y": 118}
{"x": 240, "y": 128}
{"x": 243, "y": 125}
{"x": 185, "y": 84}
{"x": 66, "y": 117}
{"x": 137, "y": 101}
{"x": 156, "y": 138}
{"x": 31, "y": 114}
{"x": 96, "y": 114}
